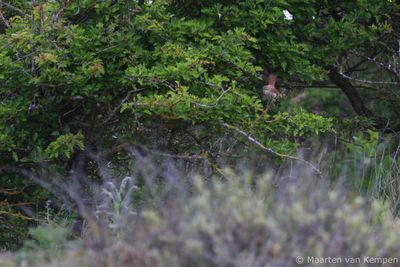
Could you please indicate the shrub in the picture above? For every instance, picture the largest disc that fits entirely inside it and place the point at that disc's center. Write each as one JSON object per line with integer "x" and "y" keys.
{"x": 241, "y": 221}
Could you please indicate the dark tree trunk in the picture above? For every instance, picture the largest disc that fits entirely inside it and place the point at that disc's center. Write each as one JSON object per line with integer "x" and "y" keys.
{"x": 357, "y": 102}
{"x": 350, "y": 91}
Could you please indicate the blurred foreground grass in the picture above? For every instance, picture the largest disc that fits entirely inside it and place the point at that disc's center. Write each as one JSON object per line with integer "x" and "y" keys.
{"x": 238, "y": 220}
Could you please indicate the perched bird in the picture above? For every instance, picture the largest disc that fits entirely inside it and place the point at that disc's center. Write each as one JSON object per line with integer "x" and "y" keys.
{"x": 270, "y": 93}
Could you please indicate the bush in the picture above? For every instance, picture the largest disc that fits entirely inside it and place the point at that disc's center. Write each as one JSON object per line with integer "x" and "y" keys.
{"x": 241, "y": 221}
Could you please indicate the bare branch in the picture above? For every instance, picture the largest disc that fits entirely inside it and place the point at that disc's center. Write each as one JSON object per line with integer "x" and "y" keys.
{"x": 366, "y": 81}
{"x": 270, "y": 150}
{"x": 115, "y": 110}
{"x": 385, "y": 66}
{"x": 213, "y": 105}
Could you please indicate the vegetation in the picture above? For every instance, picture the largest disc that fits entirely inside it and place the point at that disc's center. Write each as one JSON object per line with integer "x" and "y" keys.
{"x": 90, "y": 90}
{"x": 239, "y": 222}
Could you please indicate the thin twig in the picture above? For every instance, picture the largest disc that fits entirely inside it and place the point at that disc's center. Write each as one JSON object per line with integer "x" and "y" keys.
{"x": 381, "y": 64}
{"x": 213, "y": 105}
{"x": 366, "y": 81}
{"x": 115, "y": 110}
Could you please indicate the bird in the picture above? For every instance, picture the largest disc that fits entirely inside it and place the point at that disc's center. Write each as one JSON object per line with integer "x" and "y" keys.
{"x": 270, "y": 92}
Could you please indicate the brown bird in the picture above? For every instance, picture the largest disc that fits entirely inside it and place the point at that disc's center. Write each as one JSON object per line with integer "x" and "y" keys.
{"x": 269, "y": 91}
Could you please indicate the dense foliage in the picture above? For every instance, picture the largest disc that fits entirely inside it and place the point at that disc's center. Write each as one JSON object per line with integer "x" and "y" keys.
{"x": 85, "y": 81}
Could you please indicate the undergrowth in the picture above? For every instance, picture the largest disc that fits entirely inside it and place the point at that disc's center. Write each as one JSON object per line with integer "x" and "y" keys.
{"x": 233, "y": 220}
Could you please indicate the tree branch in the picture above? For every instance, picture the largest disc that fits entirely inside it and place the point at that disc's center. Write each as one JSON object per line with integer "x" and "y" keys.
{"x": 350, "y": 91}
{"x": 270, "y": 150}
{"x": 357, "y": 103}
